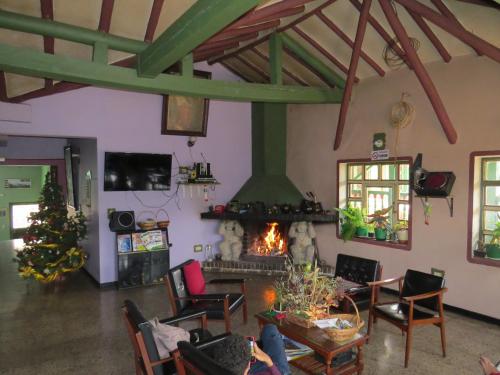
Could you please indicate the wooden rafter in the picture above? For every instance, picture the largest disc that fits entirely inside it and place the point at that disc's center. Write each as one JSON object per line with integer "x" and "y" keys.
{"x": 276, "y": 59}
{"x": 332, "y": 26}
{"x": 154, "y": 16}
{"x": 304, "y": 64}
{"x": 3, "y": 87}
{"x": 106, "y": 13}
{"x": 254, "y": 68}
{"x": 286, "y": 71}
{"x": 226, "y": 34}
{"x": 276, "y": 15}
{"x": 321, "y": 49}
{"x": 420, "y": 71}
{"x": 381, "y": 31}
{"x": 47, "y": 9}
{"x": 234, "y": 71}
{"x": 453, "y": 28}
{"x": 356, "y": 52}
{"x": 431, "y": 36}
{"x": 224, "y": 43}
{"x": 486, "y": 3}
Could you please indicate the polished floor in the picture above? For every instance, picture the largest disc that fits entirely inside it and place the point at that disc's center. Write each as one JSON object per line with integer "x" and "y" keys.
{"x": 75, "y": 328}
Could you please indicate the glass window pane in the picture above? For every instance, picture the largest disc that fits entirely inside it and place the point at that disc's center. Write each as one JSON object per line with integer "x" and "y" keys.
{"x": 388, "y": 172}
{"x": 404, "y": 171}
{"x": 355, "y": 204}
{"x": 491, "y": 170}
{"x": 404, "y": 192}
{"x": 355, "y": 172}
{"x": 371, "y": 172}
{"x": 490, "y": 219}
{"x": 487, "y": 238}
{"x": 355, "y": 190}
{"x": 378, "y": 198}
{"x": 21, "y": 213}
{"x": 492, "y": 196}
{"x": 403, "y": 211}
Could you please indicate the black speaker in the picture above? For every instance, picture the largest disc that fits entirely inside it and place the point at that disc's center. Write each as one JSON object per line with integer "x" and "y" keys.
{"x": 121, "y": 221}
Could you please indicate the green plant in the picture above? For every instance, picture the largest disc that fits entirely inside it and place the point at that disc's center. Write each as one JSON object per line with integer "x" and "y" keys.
{"x": 370, "y": 227}
{"x": 495, "y": 235}
{"x": 380, "y": 218}
{"x": 400, "y": 225}
{"x": 351, "y": 218}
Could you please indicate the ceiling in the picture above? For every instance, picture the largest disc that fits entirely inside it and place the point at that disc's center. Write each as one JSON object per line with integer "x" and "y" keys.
{"x": 325, "y": 29}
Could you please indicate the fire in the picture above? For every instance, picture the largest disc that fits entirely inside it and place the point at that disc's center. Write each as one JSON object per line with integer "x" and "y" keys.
{"x": 272, "y": 243}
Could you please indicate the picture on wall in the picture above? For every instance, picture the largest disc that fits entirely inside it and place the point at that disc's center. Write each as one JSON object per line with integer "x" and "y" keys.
{"x": 185, "y": 115}
{"x": 17, "y": 183}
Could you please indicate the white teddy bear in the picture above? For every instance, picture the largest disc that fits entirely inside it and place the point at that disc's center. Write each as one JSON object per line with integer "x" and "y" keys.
{"x": 302, "y": 248}
{"x": 231, "y": 246}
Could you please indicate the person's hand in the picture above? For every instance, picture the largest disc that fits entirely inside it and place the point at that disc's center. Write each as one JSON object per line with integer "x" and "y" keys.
{"x": 263, "y": 357}
{"x": 487, "y": 365}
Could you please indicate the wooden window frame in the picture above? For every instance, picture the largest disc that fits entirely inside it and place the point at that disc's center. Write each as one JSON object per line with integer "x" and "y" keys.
{"x": 395, "y": 182}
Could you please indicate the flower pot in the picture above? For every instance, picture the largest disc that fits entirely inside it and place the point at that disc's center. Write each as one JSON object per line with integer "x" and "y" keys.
{"x": 362, "y": 232}
{"x": 380, "y": 234}
{"x": 402, "y": 235}
{"x": 492, "y": 251}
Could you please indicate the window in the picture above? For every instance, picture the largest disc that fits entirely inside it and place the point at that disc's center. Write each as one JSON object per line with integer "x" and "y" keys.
{"x": 21, "y": 213}
{"x": 484, "y": 203}
{"x": 375, "y": 186}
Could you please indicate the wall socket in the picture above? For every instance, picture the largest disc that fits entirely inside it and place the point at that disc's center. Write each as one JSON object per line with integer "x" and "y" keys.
{"x": 198, "y": 248}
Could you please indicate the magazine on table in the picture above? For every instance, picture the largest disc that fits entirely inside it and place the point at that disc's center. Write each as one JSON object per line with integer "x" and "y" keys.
{"x": 294, "y": 349}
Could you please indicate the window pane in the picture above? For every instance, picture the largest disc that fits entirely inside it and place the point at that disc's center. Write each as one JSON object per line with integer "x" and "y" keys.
{"x": 355, "y": 190}
{"x": 21, "y": 213}
{"x": 404, "y": 171}
{"x": 487, "y": 238}
{"x": 404, "y": 192}
{"x": 355, "y": 204}
{"x": 371, "y": 172}
{"x": 492, "y": 170}
{"x": 403, "y": 211}
{"x": 378, "y": 198}
{"x": 388, "y": 172}
{"x": 492, "y": 196}
{"x": 355, "y": 172}
{"x": 490, "y": 219}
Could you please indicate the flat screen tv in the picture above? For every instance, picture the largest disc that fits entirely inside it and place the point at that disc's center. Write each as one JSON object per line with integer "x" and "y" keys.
{"x": 136, "y": 172}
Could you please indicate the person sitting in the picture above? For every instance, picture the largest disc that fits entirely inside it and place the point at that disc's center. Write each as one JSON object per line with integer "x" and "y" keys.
{"x": 235, "y": 354}
{"x": 488, "y": 367}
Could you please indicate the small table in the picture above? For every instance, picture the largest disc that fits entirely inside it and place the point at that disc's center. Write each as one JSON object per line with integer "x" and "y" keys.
{"x": 320, "y": 342}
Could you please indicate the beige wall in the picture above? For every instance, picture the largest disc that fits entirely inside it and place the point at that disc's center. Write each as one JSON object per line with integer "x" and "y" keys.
{"x": 470, "y": 90}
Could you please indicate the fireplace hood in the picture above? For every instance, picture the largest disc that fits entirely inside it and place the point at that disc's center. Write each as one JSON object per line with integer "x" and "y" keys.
{"x": 269, "y": 183}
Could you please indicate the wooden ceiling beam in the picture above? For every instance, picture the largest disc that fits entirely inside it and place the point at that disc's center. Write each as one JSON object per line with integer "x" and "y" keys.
{"x": 304, "y": 64}
{"x": 276, "y": 59}
{"x": 449, "y": 14}
{"x": 321, "y": 49}
{"x": 226, "y": 34}
{"x": 381, "y": 31}
{"x": 3, "y": 88}
{"x": 453, "y": 28}
{"x": 285, "y": 71}
{"x": 47, "y": 9}
{"x": 286, "y": 12}
{"x": 420, "y": 71}
{"x": 154, "y": 17}
{"x": 232, "y": 70}
{"x": 431, "y": 36}
{"x": 486, "y": 3}
{"x": 332, "y": 26}
{"x": 200, "y": 22}
{"x": 106, "y": 13}
{"x": 224, "y": 43}
{"x": 356, "y": 52}
{"x": 201, "y": 55}
{"x": 256, "y": 69}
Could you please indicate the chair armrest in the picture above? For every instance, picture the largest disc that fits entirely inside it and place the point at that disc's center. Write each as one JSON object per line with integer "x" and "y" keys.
{"x": 209, "y": 297}
{"x": 385, "y": 282}
{"x": 226, "y": 281}
{"x": 425, "y": 295}
{"x": 181, "y": 318}
{"x": 211, "y": 341}
{"x": 161, "y": 361}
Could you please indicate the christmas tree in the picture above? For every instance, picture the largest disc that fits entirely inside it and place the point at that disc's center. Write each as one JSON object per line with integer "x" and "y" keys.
{"x": 51, "y": 241}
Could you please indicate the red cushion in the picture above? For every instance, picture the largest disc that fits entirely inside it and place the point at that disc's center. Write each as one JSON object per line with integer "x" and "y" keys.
{"x": 194, "y": 278}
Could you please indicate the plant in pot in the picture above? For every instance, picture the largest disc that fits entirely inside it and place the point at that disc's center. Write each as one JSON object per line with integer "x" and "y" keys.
{"x": 401, "y": 229}
{"x": 371, "y": 229}
{"x": 381, "y": 221}
{"x": 493, "y": 248}
{"x": 360, "y": 222}
{"x": 352, "y": 221}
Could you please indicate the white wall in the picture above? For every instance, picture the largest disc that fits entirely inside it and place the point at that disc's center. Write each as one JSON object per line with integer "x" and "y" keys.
{"x": 470, "y": 90}
{"x": 35, "y": 148}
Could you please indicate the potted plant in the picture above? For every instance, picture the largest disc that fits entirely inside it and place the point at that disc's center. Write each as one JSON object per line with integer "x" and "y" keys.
{"x": 401, "y": 229}
{"x": 381, "y": 221}
{"x": 493, "y": 248}
{"x": 352, "y": 218}
{"x": 360, "y": 222}
{"x": 371, "y": 229}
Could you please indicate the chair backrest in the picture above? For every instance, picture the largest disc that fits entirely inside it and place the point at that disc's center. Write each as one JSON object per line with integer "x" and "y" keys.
{"x": 359, "y": 270}
{"x": 416, "y": 282}
{"x": 199, "y": 362}
{"x": 176, "y": 283}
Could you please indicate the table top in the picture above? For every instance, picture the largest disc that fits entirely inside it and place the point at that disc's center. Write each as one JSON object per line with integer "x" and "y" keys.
{"x": 314, "y": 337}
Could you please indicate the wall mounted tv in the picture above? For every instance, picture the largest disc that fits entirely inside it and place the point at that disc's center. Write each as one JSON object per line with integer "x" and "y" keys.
{"x": 127, "y": 171}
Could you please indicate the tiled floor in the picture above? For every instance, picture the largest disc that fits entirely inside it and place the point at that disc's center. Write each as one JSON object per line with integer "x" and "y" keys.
{"x": 75, "y": 328}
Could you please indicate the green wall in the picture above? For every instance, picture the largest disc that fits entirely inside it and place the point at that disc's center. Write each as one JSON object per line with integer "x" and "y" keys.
{"x": 18, "y": 195}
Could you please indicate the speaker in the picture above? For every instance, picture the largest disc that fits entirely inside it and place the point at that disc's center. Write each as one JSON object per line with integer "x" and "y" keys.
{"x": 121, "y": 221}
{"x": 435, "y": 184}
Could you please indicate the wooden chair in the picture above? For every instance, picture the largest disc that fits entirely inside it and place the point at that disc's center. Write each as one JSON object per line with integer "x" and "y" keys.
{"x": 197, "y": 362}
{"x": 420, "y": 303}
{"x": 219, "y": 306}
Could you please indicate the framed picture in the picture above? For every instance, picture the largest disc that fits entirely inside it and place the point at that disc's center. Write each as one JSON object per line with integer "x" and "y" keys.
{"x": 185, "y": 115}
{"x": 17, "y": 183}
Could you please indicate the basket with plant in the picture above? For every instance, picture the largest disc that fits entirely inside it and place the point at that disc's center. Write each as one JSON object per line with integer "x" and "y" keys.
{"x": 346, "y": 325}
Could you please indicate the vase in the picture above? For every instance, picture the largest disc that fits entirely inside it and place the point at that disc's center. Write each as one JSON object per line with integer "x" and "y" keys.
{"x": 492, "y": 251}
{"x": 380, "y": 234}
{"x": 402, "y": 236}
{"x": 362, "y": 232}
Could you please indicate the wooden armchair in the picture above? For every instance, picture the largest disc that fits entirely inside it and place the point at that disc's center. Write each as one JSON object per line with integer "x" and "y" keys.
{"x": 420, "y": 303}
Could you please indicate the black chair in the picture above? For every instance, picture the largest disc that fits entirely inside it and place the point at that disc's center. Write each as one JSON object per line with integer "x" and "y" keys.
{"x": 198, "y": 361}
{"x": 219, "y": 306}
{"x": 146, "y": 357}
{"x": 420, "y": 303}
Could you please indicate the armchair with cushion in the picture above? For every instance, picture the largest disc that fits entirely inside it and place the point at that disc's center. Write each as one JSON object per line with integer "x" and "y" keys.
{"x": 198, "y": 361}
{"x": 186, "y": 291}
{"x": 420, "y": 303}
{"x": 146, "y": 357}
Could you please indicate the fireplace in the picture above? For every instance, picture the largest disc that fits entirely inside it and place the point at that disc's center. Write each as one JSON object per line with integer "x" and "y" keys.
{"x": 265, "y": 239}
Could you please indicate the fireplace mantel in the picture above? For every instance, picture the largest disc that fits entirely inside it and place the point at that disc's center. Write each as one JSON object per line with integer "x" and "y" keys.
{"x": 292, "y": 217}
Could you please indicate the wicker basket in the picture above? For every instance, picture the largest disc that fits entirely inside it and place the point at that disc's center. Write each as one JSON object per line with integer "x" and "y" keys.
{"x": 148, "y": 223}
{"x": 340, "y": 335}
{"x": 163, "y": 223}
{"x": 299, "y": 320}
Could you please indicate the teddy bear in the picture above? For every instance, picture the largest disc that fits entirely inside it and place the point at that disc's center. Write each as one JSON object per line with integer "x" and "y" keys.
{"x": 302, "y": 248}
{"x": 231, "y": 246}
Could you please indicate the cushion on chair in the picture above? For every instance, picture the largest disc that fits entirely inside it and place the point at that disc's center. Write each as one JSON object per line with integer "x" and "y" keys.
{"x": 417, "y": 282}
{"x": 400, "y": 311}
{"x": 194, "y": 278}
{"x": 214, "y": 309}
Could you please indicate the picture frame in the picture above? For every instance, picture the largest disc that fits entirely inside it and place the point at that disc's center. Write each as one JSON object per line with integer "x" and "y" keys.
{"x": 17, "y": 183}
{"x": 186, "y": 115}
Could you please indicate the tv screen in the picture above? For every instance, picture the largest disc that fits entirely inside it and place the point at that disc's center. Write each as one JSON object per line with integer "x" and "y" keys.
{"x": 126, "y": 171}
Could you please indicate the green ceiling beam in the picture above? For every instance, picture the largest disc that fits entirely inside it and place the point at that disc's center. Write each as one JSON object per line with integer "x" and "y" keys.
{"x": 100, "y": 53}
{"x": 197, "y": 24}
{"x": 30, "y": 62}
{"x": 276, "y": 58}
{"x": 59, "y": 30}
{"x": 187, "y": 65}
{"x": 319, "y": 66}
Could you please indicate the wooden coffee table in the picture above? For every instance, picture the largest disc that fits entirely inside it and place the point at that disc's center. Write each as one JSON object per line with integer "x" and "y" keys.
{"x": 322, "y": 345}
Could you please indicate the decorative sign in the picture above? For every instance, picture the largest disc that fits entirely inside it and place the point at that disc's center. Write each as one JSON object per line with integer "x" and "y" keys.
{"x": 16, "y": 183}
{"x": 378, "y": 141}
{"x": 379, "y": 155}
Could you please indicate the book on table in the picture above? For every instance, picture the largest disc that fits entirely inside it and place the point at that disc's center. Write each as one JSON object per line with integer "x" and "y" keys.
{"x": 294, "y": 349}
